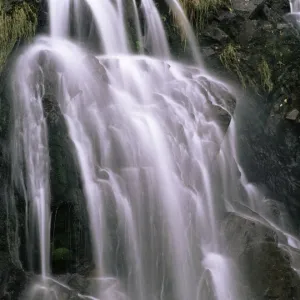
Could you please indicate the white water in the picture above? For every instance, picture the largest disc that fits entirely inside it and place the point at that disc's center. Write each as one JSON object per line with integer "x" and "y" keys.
{"x": 294, "y": 14}
{"x": 295, "y": 6}
{"x": 30, "y": 151}
{"x": 147, "y": 149}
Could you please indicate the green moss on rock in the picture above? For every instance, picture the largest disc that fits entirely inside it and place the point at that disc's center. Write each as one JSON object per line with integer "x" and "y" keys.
{"x": 252, "y": 70}
{"x": 265, "y": 75}
{"x": 198, "y": 11}
{"x": 61, "y": 254}
{"x": 230, "y": 58}
{"x": 18, "y": 23}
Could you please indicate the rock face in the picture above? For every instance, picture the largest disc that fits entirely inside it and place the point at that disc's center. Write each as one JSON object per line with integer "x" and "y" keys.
{"x": 261, "y": 53}
{"x": 12, "y": 276}
{"x": 292, "y": 115}
{"x": 246, "y": 6}
{"x": 254, "y": 246}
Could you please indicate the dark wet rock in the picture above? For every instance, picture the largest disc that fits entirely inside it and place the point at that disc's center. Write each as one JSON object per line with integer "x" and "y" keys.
{"x": 270, "y": 151}
{"x": 70, "y": 238}
{"x": 294, "y": 256}
{"x": 261, "y": 11}
{"x": 239, "y": 233}
{"x": 292, "y": 115}
{"x": 266, "y": 267}
{"x": 270, "y": 273}
{"x": 207, "y": 51}
{"x": 78, "y": 282}
{"x": 247, "y": 6}
{"x": 216, "y": 34}
{"x": 271, "y": 211}
{"x": 69, "y": 227}
{"x": 84, "y": 267}
{"x": 12, "y": 278}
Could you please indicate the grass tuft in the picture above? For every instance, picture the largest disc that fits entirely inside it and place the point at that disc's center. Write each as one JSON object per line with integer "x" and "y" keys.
{"x": 265, "y": 75}
{"x": 231, "y": 61}
{"x": 198, "y": 11}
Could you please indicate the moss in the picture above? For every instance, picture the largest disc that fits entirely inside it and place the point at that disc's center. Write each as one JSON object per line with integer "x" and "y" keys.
{"x": 19, "y": 23}
{"x": 230, "y": 58}
{"x": 61, "y": 254}
{"x": 265, "y": 75}
{"x": 61, "y": 258}
{"x": 262, "y": 76}
{"x": 198, "y": 11}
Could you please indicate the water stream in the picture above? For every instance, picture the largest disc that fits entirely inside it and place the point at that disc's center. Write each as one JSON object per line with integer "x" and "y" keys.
{"x": 294, "y": 11}
{"x": 295, "y": 6}
{"x": 147, "y": 148}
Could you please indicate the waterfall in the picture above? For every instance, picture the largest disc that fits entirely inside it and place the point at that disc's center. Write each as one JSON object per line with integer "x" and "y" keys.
{"x": 295, "y": 6}
{"x": 148, "y": 147}
{"x": 30, "y": 152}
{"x": 294, "y": 11}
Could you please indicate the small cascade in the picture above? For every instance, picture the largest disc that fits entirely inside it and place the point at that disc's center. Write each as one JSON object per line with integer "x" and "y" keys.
{"x": 294, "y": 11}
{"x": 30, "y": 153}
{"x": 295, "y": 6}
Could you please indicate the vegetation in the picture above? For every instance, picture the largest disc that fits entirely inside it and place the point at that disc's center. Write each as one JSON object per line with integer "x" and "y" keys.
{"x": 229, "y": 56}
{"x": 18, "y": 23}
{"x": 198, "y": 11}
{"x": 231, "y": 61}
{"x": 265, "y": 75}
{"x": 61, "y": 254}
{"x": 60, "y": 260}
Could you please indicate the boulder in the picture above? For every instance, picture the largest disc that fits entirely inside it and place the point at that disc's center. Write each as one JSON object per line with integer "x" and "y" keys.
{"x": 265, "y": 266}
{"x": 216, "y": 34}
{"x": 292, "y": 115}
{"x": 247, "y": 6}
{"x": 269, "y": 272}
{"x": 239, "y": 233}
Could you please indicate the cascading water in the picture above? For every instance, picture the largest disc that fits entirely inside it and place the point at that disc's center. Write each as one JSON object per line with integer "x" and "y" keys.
{"x": 294, "y": 11}
{"x": 295, "y": 6}
{"x": 148, "y": 150}
{"x": 30, "y": 150}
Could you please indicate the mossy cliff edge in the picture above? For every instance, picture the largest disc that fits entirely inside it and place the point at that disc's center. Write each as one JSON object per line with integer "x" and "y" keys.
{"x": 18, "y": 21}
